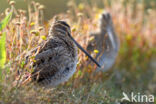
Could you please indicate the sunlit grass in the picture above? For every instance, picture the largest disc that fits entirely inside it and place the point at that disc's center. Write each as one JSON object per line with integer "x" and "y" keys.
{"x": 133, "y": 70}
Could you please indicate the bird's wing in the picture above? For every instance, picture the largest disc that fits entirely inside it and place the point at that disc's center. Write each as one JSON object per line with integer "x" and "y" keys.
{"x": 49, "y": 62}
{"x": 48, "y": 44}
{"x": 47, "y": 58}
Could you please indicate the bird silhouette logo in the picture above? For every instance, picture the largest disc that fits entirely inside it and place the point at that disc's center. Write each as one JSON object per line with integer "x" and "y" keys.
{"x": 125, "y": 97}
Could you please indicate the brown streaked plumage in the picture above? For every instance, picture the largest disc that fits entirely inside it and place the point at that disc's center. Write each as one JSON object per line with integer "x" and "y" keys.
{"x": 56, "y": 58}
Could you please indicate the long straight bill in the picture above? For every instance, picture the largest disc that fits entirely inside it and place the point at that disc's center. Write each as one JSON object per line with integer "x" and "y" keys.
{"x": 86, "y": 52}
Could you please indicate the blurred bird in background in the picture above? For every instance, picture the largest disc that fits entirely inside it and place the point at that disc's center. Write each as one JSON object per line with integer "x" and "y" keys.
{"x": 106, "y": 42}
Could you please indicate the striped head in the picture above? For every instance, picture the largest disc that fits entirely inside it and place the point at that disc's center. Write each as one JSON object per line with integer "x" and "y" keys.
{"x": 60, "y": 28}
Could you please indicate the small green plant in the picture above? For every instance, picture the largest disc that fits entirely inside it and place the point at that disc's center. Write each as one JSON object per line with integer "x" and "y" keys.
{"x": 3, "y": 24}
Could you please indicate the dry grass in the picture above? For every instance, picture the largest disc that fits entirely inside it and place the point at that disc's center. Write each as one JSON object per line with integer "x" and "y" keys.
{"x": 133, "y": 70}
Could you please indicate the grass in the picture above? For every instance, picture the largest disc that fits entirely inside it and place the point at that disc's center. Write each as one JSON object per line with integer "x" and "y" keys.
{"x": 134, "y": 69}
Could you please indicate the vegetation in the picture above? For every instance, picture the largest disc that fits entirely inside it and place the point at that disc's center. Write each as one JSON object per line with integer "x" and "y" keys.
{"x": 133, "y": 71}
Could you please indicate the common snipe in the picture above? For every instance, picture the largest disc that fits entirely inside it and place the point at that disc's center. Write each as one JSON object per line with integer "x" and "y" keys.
{"x": 106, "y": 41}
{"x": 56, "y": 58}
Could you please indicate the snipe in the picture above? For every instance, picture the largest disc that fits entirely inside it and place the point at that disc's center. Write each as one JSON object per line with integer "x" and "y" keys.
{"x": 106, "y": 41}
{"x": 56, "y": 58}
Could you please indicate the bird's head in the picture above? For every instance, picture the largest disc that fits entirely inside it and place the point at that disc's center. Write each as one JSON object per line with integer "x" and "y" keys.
{"x": 60, "y": 28}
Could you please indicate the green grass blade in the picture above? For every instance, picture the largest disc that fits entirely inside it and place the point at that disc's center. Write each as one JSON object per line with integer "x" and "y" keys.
{"x": 5, "y": 21}
{"x": 2, "y": 51}
{"x": 3, "y": 24}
